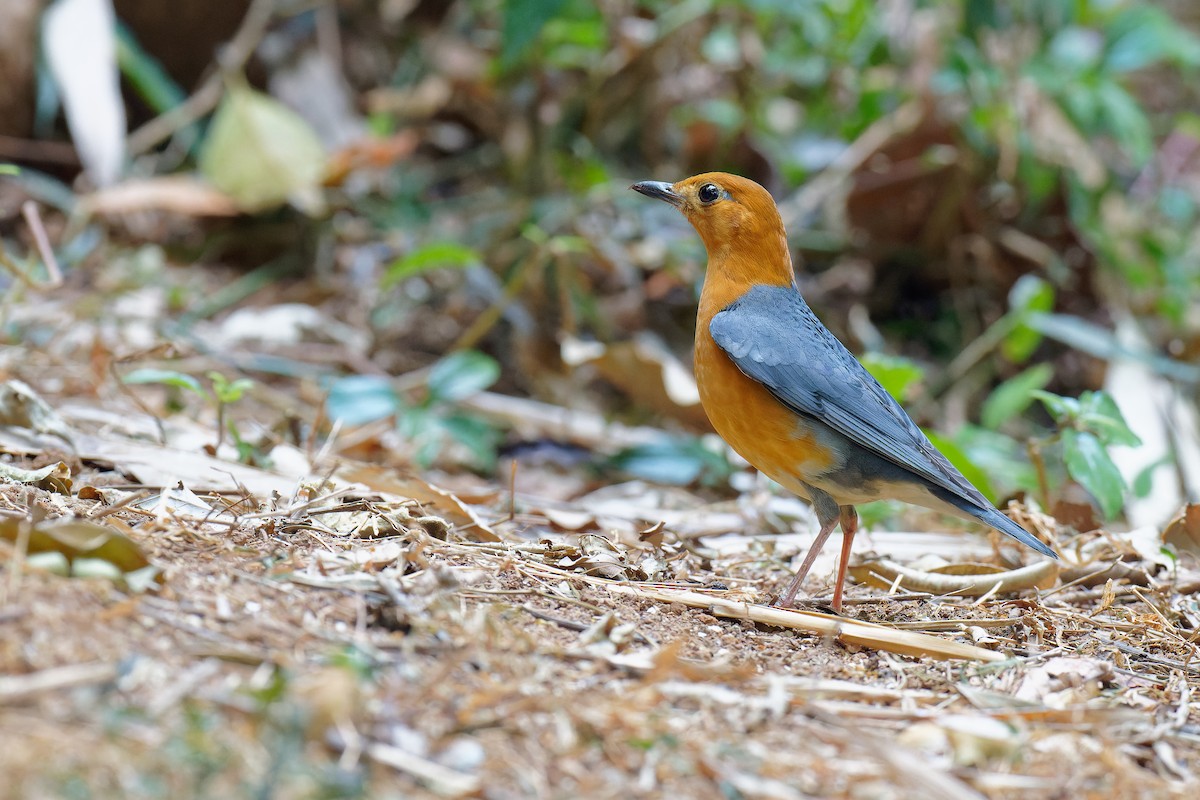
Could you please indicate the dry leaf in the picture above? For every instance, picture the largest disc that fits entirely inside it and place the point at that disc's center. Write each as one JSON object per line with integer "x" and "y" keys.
{"x": 569, "y": 519}
{"x": 1183, "y": 531}
{"x": 178, "y": 501}
{"x": 1064, "y": 681}
{"x": 54, "y": 477}
{"x": 447, "y": 503}
{"x": 22, "y": 407}
{"x": 79, "y": 542}
{"x": 646, "y": 370}
{"x": 976, "y": 739}
{"x": 260, "y": 152}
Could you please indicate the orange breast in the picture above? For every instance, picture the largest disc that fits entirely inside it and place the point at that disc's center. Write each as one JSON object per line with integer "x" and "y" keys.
{"x": 762, "y": 430}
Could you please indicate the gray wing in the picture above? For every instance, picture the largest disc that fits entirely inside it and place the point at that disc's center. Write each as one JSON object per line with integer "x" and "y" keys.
{"x": 774, "y": 337}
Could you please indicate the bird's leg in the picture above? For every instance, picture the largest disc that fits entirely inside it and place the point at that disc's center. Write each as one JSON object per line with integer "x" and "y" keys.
{"x": 849, "y": 520}
{"x": 828, "y": 514}
{"x": 794, "y": 587}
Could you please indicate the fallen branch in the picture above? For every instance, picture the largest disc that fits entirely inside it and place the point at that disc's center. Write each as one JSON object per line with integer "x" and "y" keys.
{"x": 844, "y": 630}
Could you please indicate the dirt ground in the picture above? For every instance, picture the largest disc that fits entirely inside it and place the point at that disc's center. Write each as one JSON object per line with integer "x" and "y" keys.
{"x": 327, "y": 637}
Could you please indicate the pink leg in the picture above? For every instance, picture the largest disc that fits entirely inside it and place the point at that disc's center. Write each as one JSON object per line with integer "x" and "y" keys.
{"x": 827, "y": 526}
{"x": 849, "y": 520}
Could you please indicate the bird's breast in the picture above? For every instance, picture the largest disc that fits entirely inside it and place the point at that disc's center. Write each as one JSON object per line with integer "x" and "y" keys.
{"x": 768, "y": 434}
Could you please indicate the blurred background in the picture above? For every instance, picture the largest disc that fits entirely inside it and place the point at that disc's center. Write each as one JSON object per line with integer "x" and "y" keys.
{"x": 401, "y": 230}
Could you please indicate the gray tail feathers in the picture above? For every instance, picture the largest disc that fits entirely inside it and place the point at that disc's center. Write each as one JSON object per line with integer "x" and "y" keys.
{"x": 1006, "y": 525}
{"x": 992, "y": 517}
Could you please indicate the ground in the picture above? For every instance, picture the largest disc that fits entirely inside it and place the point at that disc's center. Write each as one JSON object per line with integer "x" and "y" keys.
{"x": 317, "y": 636}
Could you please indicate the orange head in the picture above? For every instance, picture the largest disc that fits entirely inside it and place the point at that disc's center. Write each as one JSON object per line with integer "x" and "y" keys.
{"x": 738, "y": 222}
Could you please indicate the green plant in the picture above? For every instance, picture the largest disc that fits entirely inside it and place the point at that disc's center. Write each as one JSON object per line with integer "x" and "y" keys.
{"x": 222, "y": 393}
{"x": 1075, "y": 449}
{"x": 432, "y": 418}
{"x": 226, "y": 393}
{"x": 1086, "y": 428}
{"x": 677, "y": 461}
{"x": 1051, "y": 92}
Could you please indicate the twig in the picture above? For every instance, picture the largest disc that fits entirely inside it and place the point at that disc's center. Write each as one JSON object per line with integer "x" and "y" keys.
{"x": 33, "y": 219}
{"x": 21, "y": 551}
{"x": 17, "y": 149}
{"x": 1043, "y": 596}
{"x": 440, "y": 779}
{"x": 850, "y": 631}
{"x": 123, "y": 504}
{"x": 809, "y": 199}
{"x": 493, "y": 313}
{"x": 1153, "y": 659}
{"x": 21, "y": 687}
{"x": 1034, "y": 447}
{"x": 569, "y": 624}
{"x": 512, "y": 490}
{"x": 233, "y": 57}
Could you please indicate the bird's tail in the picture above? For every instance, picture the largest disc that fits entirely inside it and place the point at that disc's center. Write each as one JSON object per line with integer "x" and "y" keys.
{"x": 992, "y": 517}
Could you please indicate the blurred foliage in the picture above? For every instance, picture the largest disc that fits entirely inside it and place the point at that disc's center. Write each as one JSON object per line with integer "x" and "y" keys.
{"x": 259, "y": 152}
{"x": 1086, "y": 428}
{"x": 929, "y": 157}
{"x": 436, "y": 418}
{"x": 222, "y": 394}
{"x": 674, "y": 461}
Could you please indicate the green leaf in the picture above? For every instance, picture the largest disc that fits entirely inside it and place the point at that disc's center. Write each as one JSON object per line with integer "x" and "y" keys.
{"x": 1063, "y": 409}
{"x": 145, "y": 73}
{"x": 1143, "y": 35}
{"x": 166, "y": 377}
{"x": 9, "y": 169}
{"x": 1004, "y": 459}
{"x": 476, "y": 434}
{"x": 959, "y": 458}
{"x": 260, "y": 152}
{"x": 359, "y": 399}
{"x": 1030, "y": 295}
{"x": 429, "y": 257}
{"x": 1089, "y": 465}
{"x": 1143, "y": 482}
{"x": 418, "y": 424}
{"x": 1128, "y": 123}
{"x": 228, "y": 391}
{"x": 462, "y": 374}
{"x": 1075, "y": 49}
{"x": 1099, "y": 414}
{"x": 430, "y": 443}
{"x": 523, "y": 22}
{"x": 1020, "y": 343}
{"x": 1014, "y": 395}
{"x": 676, "y": 462}
{"x": 898, "y": 375}
{"x": 1102, "y": 343}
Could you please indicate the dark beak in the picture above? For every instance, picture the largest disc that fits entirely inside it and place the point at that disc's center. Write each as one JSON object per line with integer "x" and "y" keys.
{"x": 658, "y": 190}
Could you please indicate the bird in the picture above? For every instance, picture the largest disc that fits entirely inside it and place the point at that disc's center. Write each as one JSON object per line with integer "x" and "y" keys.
{"x": 787, "y": 395}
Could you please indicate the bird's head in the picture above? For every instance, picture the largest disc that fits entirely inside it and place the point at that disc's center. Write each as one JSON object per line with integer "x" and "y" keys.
{"x": 735, "y": 217}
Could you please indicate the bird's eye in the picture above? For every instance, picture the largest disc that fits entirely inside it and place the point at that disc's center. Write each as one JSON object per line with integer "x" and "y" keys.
{"x": 709, "y": 193}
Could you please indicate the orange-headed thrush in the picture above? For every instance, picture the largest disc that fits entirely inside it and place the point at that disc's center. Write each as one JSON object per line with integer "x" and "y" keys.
{"x": 785, "y": 393}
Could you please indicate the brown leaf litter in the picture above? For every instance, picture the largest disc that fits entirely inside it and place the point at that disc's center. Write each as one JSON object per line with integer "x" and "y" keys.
{"x": 366, "y": 632}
